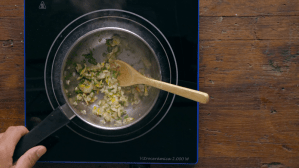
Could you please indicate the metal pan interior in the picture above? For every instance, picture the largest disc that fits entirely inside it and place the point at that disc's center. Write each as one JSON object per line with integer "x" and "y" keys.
{"x": 133, "y": 50}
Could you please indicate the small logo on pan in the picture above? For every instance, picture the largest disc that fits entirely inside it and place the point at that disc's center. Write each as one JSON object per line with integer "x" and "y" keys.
{"x": 42, "y": 5}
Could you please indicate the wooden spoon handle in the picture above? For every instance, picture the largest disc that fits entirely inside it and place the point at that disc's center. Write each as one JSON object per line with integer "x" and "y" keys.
{"x": 178, "y": 90}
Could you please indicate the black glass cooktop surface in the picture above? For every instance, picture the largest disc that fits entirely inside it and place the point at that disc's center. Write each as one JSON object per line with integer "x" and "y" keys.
{"x": 174, "y": 139}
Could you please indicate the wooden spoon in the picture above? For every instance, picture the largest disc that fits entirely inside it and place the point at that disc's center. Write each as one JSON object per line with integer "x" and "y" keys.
{"x": 129, "y": 76}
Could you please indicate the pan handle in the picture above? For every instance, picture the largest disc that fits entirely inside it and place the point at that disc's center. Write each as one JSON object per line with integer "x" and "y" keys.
{"x": 53, "y": 122}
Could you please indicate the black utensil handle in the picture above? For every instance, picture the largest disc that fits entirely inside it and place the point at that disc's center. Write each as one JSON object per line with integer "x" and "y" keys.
{"x": 53, "y": 122}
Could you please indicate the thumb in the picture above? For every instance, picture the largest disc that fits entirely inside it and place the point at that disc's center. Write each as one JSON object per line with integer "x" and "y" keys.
{"x": 29, "y": 159}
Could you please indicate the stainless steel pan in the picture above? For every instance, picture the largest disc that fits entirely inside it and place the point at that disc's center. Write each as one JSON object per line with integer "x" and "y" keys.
{"x": 141, "y": 41}
{"x": 133, "y": 50}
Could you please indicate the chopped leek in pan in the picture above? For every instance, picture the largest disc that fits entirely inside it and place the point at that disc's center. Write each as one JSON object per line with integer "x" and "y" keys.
{"x": 102, "y": 78}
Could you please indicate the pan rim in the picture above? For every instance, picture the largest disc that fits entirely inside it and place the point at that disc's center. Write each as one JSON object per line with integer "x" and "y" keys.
{"x": 64, "y": 64}
{"x": 160, "y": 36}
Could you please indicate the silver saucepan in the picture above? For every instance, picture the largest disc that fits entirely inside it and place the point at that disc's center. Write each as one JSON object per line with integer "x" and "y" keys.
{"x": 142, "y": 45}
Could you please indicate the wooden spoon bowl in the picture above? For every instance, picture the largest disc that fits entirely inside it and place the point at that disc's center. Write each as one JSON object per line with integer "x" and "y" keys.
{"x": 129, "y": 76}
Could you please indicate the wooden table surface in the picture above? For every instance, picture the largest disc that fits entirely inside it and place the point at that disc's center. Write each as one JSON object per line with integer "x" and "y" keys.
{"x": 249, "y": 52}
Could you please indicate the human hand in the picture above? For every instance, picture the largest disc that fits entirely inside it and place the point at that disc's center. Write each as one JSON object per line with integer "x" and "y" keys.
{"x": 8, "y": 142}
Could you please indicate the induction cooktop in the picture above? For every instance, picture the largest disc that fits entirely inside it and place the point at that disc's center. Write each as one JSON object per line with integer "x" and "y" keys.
{"x": 174, "y": 140}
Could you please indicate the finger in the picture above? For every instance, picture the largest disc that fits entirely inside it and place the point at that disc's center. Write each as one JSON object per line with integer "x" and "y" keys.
{"x": 29, "y": 159}
{"x": 11, "y": 137}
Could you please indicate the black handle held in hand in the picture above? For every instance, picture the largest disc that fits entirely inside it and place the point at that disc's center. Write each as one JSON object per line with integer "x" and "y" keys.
{"x": 53, "y": 122}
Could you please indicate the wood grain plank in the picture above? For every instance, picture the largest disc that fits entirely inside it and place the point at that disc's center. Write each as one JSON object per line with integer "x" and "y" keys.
{"x": 258, "y": 62}
{"x": 247, "y": 162}
{"x": 254, "y": 107}
{"x": 11, "y": 28}
{"x": 251, "y": 28}
{"x": 12, "y": 48}
{"x": 250, "y": 134}
{"x": 224, "y": 28}
{"x": 12, "y": 109}
{"x": 248, "y": 8}
{"x": 12, "y": 71}
{"x": 228, "y": 162}
{"x": 11, "y": 10}
{"x": 5, "y": 123}
{"x": 10, "y": 2}
{"x": 11, "y": 82}
{"x": 278, "y": 27}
